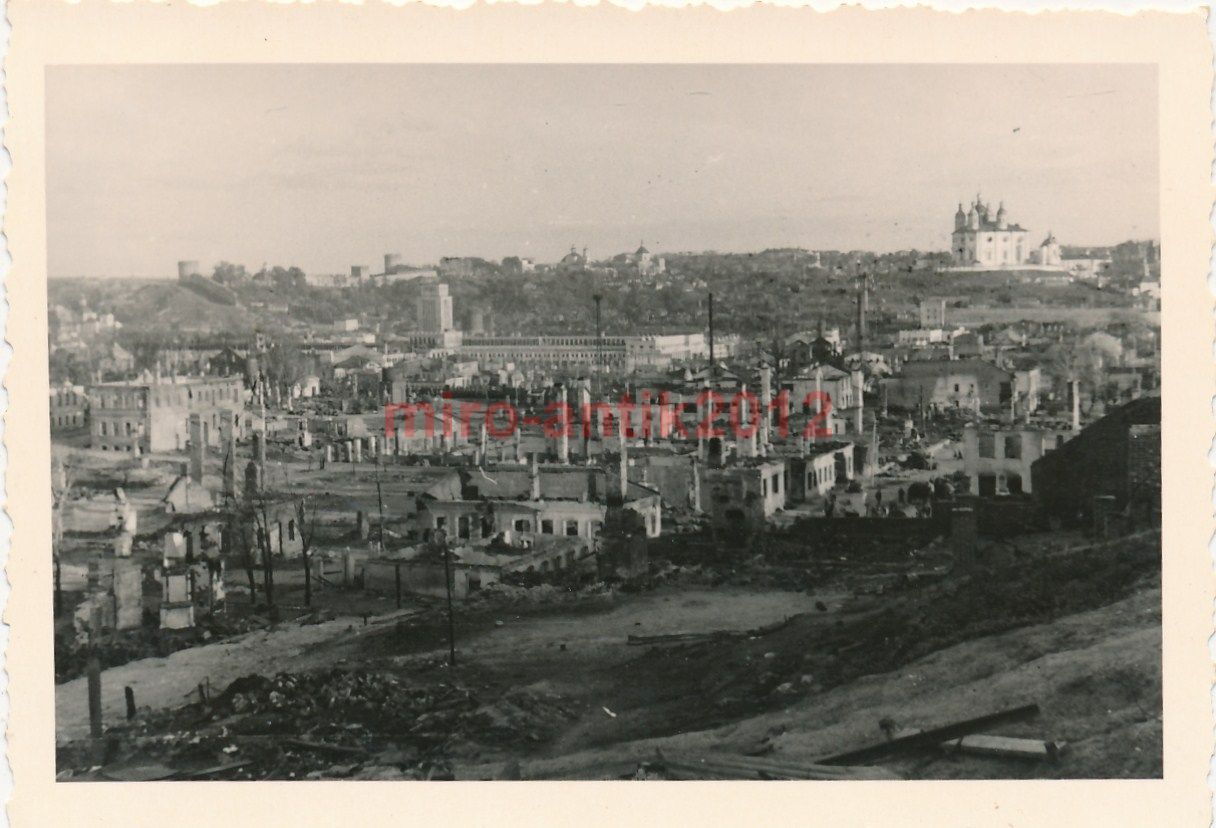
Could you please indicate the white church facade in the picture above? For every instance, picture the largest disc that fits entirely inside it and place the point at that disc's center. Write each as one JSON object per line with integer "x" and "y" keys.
{"x": 983, "y": 240}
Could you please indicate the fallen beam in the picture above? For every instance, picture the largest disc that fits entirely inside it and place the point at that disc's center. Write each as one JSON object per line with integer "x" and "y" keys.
{"x": 323, "y": 747}
{"x": 929, "y": 737}
{"x": 1006, "y": 747}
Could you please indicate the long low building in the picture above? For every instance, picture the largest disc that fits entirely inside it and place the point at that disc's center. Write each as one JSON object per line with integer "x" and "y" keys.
{"x": 614, "y": 353}
{"x": 564, "y": 351}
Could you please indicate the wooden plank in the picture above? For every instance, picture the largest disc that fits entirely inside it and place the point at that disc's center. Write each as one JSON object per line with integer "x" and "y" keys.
{"x": 325, "y": 747}
{"x": 1006, "y": 747}
{"x": 929, "y": 737}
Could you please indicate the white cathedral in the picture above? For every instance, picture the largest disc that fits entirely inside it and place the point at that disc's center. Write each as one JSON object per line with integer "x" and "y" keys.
{"x": 982, "y": 240}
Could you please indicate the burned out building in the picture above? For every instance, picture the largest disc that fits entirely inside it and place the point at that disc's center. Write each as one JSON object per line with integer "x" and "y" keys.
{"x": 823, "y": 466}
{"x": 745, "y": 493}
{"x": 69, "y": 407}
{"x": 999, "y": 461}
{"x": 1118, "y": 456}
{"x": 971, "y": 384}
{"x": 154, "y": 416}
{"x": 556, "y": 508}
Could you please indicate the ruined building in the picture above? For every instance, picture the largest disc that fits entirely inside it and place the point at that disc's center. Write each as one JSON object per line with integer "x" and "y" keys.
{"x": 138, "y": 417}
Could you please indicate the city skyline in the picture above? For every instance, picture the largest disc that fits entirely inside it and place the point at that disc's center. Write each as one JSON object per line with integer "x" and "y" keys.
{"x": 286, "y": 165}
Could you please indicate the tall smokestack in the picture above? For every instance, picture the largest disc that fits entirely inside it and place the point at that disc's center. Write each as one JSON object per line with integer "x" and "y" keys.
{"x": 704, "y": 407}
{"x": 859, "y": 393}
{"x": 1075, "y": 386}
{"x": 584, "y": 415}
{"x": 534, "y": 476}
{"x": 563, "y": 440}
{"x": 624, "y": 462}
{"x": 863, "y": 301}
{"x": 197, "y": 447}
{"x": 711, "y": 336}
{"x": 482, "y": 444}
{"x": 818, "y": 403}
{"x": 519, "y": 448}
{"x": 746, "y": 445}
{"x": 695, "y": 489}
{"x": 766, "y": 403}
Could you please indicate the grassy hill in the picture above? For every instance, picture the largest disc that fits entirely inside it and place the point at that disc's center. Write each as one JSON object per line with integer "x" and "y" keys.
{"x": 168, "y": 305}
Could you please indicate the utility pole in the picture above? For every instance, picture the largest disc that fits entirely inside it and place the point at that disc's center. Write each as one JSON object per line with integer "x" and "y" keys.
{"x": 712, "y": 368}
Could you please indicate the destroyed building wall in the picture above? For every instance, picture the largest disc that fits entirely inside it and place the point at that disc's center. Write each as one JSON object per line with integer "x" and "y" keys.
{"x": 826, "y": 467}
{"x": 113, "y": 599}
{"x": 650, "y": 507}
{"x": 671, "y": 475}
{"x": 999, "y": 461}
{"x": 747, "y": 494}
{"x": 836, "y": 386}
{"x": 152, "y": 416}
{"x": 1118, "y": 456}
{"x": 427, "y": 577}
{"x": 524, "y": 522}
{"x": 69, "y": 407}
{"x": 553, "y": 555}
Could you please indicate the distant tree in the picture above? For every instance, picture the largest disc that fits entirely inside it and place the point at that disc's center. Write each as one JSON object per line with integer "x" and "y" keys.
{"x": 230, "y": 274}
{"x": 284, "y": 364}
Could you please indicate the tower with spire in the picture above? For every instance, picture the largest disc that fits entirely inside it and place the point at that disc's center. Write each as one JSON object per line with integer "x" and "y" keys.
{"x": 646, "y": 262}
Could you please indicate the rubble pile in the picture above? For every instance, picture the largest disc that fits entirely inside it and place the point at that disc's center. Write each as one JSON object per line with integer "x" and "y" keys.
{"x": 500, "y": 593}
{"x": 332, "y": 723}
{"x": 350, "y": 697}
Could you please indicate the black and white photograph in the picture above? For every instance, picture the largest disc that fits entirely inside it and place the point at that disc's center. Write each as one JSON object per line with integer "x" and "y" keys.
{"x": 462, "y": 421}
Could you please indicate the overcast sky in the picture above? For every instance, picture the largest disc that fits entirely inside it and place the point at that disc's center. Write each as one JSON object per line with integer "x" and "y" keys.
{"x": 328, "y": 166}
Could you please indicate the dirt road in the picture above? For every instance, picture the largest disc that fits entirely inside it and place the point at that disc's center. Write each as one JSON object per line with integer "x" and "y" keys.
{"x": 168, "y": 682}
